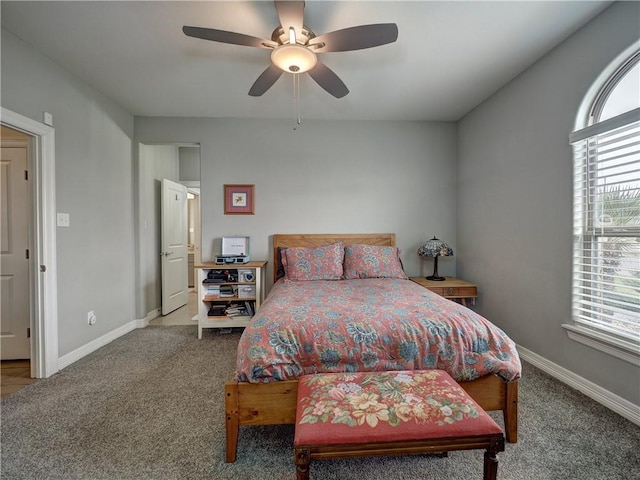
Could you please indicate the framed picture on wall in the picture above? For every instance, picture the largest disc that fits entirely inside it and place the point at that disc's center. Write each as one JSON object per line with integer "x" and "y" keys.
{"x": 238, "y": 199}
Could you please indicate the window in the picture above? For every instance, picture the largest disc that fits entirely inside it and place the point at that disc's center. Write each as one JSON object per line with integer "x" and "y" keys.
{"x": 606, "y": 223}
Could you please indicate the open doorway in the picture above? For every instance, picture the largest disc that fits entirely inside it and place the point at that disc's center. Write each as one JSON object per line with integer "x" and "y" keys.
{"x": 41, "y": 242}
{"x": 193, "y": 233}
{"x": 15, "y": 291}
{"x": 189, "y": 158}
{"x": 178, "y": 165}
{"x": 15, "y": 320}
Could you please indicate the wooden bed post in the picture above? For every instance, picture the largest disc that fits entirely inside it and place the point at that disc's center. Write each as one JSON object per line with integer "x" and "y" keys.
{"x": 232, "y": 419}
{"x": 510, "y": 412}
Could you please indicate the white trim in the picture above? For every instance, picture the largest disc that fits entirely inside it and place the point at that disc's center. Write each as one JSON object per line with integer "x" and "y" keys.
{"x": 623, "y": 407}
{"x": 44, "y": 334}
{"x": 627, "y": 351}
{"x": 582, "y": 116}
{"x": 92, "y": 346}
{"x": 150, "y": 316}
{"x": 610, "y": 124}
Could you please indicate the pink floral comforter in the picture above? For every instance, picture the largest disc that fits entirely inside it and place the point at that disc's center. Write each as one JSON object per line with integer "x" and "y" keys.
{"x": 369, "y": 325}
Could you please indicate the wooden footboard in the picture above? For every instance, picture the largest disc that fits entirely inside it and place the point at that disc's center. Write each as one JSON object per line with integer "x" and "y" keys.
{"x": 494, "y": 394}
{"x": 275, "y": 404}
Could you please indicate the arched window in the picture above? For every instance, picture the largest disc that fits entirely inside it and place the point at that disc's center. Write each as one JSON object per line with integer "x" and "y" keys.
{"x": 606, "y": 218}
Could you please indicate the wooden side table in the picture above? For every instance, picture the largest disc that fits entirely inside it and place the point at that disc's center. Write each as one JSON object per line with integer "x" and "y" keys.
{"x": 452, "y": 288}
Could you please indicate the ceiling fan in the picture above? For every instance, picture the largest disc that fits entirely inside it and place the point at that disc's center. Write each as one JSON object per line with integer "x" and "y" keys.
{"x": 294, "y": 47}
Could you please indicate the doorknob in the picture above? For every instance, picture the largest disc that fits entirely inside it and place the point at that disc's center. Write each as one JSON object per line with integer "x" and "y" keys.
{"x": 166, "y": 254}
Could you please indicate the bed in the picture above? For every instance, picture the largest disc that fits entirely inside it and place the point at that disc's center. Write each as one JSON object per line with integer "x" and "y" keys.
{"x": 356, "y": 317}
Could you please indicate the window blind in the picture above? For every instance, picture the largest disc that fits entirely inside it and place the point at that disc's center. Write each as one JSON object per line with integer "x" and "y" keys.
{"x": 606, "y": 254}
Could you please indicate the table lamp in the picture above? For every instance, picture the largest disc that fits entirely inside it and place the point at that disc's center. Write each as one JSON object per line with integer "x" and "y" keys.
{"x": 435, "y": 248}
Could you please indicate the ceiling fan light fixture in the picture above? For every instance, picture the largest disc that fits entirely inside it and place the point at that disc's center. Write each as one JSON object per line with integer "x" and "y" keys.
{"x": 293, "y": 58}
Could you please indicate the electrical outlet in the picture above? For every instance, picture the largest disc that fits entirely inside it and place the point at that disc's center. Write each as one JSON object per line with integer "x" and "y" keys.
{"x": 91, "y": 318}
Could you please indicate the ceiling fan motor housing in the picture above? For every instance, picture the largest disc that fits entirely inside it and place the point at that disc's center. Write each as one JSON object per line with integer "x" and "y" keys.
{"x": 280, "y": 36}
{"x": 294, "y": 58}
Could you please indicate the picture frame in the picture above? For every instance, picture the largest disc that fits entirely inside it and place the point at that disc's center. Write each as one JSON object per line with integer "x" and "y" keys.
{"x": 239, "y": 199}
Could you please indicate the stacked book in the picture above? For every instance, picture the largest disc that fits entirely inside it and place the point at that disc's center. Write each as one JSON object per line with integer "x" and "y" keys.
{"x": 239, "y": 309}
{"x": 213, "y": 290}
{"x": 227, "y": 291}
{"x": 235, "y": 310}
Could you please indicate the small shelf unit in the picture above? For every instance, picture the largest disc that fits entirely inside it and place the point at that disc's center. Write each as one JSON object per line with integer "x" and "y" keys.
{"x": 243, "y": 290}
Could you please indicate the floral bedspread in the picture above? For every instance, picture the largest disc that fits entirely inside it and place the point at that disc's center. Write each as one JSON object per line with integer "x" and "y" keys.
{"x": 370, "y": 324}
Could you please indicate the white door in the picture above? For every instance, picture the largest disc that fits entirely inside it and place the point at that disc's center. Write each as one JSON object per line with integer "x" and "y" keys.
{"x": 174, "y": 246}
{"x": 14, "y": 269}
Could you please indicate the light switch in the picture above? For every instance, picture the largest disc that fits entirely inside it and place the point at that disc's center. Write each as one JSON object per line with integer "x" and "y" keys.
{"x": 63, "y": 219}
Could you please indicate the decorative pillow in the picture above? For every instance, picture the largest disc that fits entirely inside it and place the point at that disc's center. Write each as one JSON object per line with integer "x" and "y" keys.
{"x": 370, "y": 261}
{"x": 314, "y": 263}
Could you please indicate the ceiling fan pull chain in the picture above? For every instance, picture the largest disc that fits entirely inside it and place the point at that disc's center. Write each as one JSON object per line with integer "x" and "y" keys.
{"x": 296, "y": 101}
{"x": 297, "y": 77}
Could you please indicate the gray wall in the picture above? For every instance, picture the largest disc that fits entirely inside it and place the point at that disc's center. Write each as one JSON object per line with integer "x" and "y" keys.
{"x": 515, "y": 199}
{"x": 189, "y": 163}
{"x": 326, "y": 177}
{"x": 511, "y": 190}
{"x": 94, "y": 168}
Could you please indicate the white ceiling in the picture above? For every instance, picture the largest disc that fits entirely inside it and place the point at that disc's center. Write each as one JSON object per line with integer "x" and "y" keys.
{"x": 449, "y": 56}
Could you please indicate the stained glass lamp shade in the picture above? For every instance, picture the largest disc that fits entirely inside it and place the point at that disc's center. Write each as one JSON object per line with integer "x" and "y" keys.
{"x": 435, "y": 248}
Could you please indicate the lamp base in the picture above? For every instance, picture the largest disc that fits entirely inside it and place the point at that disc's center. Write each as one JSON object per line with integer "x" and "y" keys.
{"x": 435, "y": 275}
{"x": 437, "y": 279}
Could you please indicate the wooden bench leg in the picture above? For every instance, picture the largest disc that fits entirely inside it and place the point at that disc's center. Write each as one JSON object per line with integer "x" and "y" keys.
{"x": 490, "y": 465}
{"x": 302, "y": 459}
{"x": 491, "y": 458}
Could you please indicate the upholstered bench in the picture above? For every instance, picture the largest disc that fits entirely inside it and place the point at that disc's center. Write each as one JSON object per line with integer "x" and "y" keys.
{"x": 389, "y": 413}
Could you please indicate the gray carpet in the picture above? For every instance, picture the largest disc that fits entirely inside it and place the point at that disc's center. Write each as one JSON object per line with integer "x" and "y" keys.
{"x": 150, "y": 406}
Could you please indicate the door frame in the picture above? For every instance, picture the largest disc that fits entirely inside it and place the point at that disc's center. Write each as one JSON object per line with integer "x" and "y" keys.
{"x": 141, "y": 214}
{"x": 193, "y": 188}
{"x": 42, "y": 243}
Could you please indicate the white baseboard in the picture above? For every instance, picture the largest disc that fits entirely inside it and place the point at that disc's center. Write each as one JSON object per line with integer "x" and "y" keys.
{"x": 94, "y": 345}
{"x": 144, "y": 322}
{"x": 152, "y": 314}
{"x": 623, "y": 407}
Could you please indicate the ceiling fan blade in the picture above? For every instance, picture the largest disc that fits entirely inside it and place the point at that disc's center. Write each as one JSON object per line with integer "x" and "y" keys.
{"x": 265, "y": 81}
{"x": 227, "y": 37}
{"x": 356, "y": 38}
{"x": 291, "y": 14}
{"x": 327, "y": 79}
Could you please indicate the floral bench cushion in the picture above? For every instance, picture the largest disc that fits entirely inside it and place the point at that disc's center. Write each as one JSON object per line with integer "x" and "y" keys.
{"x": 372, "y": 407}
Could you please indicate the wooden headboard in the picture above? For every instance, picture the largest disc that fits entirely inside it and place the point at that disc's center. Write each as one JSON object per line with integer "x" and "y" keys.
{"x": 289, "y": 240}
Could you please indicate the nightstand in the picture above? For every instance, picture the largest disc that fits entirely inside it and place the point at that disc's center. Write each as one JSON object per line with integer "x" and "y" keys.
{"x": 229, "y": 294}
{"x": 451, "y": 288}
